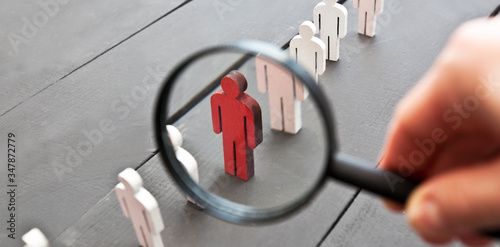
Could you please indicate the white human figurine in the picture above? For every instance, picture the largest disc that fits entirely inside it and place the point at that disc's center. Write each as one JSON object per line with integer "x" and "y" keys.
{"x": 141, "y": 207}
{"x": 285, "y": 95}
{"x": 309, "y": 51}
{"x": 330, "y": 19}
{"x": 183, "y": 156}
{"x": 35, "y": 238}
{"x": 368, "y": 9}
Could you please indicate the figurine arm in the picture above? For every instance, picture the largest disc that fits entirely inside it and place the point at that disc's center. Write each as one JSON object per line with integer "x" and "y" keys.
{"x": 120, "y": 195}
{"x": 155, "y": 220}
{"x": 321, "y": 66}
{"x": 300, "y": 90}
{"x": 189, "y": 162}
{"x": 379, "y": 6}
{"x": 261, "y": 70}
{"x": 356, "y": 3}
{"x": 216, "y": 113}
{"x": 292, "y": 48}
{"x": 321, "y": 59}
{"x": 316, "y": 17}
{"x": 151, "y": 211}
{"x": 253, "y": 124}
{"x": 342, "y": 20}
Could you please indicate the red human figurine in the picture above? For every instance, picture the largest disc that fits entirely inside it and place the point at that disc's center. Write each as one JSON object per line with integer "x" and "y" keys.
{"x": 239, "y": 118}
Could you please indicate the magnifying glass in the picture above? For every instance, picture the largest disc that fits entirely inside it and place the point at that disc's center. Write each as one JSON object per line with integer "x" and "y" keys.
{"x": 262, "y": 132}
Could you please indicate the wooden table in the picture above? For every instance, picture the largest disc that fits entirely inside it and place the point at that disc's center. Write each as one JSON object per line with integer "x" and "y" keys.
{"x": 69, "y": 76}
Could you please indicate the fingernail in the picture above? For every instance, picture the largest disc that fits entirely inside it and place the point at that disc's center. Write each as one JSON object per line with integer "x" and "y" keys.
{"x": 425, "y": 217}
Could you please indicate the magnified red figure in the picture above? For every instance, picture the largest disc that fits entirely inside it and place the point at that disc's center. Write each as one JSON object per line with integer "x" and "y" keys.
{"x": 239, "y": 118}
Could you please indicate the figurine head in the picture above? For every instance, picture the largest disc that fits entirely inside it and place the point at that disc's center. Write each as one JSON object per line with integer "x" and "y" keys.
{"x": 35, "y": 237}
{"x": 175, "y": 136}
{"x": 234, "y": 83}
{"x": 131, "y": 179}
{"x": 307, "y": 30}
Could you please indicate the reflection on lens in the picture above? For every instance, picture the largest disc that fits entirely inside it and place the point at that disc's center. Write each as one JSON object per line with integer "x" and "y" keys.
{"x": 258, "y": 141}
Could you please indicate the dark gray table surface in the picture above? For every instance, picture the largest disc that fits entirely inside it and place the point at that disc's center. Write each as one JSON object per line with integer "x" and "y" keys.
{"x": 78, "y": 69}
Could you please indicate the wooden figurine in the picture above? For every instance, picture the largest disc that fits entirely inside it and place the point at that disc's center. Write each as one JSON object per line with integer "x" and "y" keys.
{"x": 309, "y": 51}
{"x": 141, "y": 207}
{"x": 285, "y": 95}
{"x": 330, "y": 19}
{"x": 239, "y": 118}
{"x": 184, "y": 157}
{"x": 35, "y": 238}
{"x": 368, "y": 9}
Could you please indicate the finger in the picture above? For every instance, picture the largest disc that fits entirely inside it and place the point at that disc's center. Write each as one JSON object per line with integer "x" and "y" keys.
{"x": 452, "y": 78}
{"x": 463, "y": 200}
{"x": 475, "y": 240}
{"x": 441, "y": 240}
{"x": 393, "y": 206}
{"x": 417, "y": 122}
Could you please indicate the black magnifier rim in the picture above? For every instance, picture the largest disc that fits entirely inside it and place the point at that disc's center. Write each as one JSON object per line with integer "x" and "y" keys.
{"x": 217, "y": 206}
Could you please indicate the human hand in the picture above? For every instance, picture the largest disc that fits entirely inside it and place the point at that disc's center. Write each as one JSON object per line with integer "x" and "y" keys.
{"x": 446, "y": 133}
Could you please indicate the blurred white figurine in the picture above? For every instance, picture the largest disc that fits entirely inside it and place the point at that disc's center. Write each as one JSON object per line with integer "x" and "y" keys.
{"x": 309, "y": 51}
{"x": 368, "y": 9}
{"x": 330, "y": 19}
{"x": 35, "y": 238}
{"x": 141, "y": 207}
{"x": 183, "y": 156}
{"x": 285, "y": 95}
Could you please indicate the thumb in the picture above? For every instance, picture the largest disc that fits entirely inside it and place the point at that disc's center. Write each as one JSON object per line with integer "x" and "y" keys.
{"x": 462, "y": 201}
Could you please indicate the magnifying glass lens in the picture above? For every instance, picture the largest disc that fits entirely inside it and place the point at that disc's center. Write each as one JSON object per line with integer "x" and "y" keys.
{"x": 262, "y": 147}
{"x": 258, "y": 140}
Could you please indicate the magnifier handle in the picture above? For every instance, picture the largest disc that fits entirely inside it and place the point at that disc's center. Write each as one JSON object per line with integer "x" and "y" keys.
{"x": 360, "y": 173}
